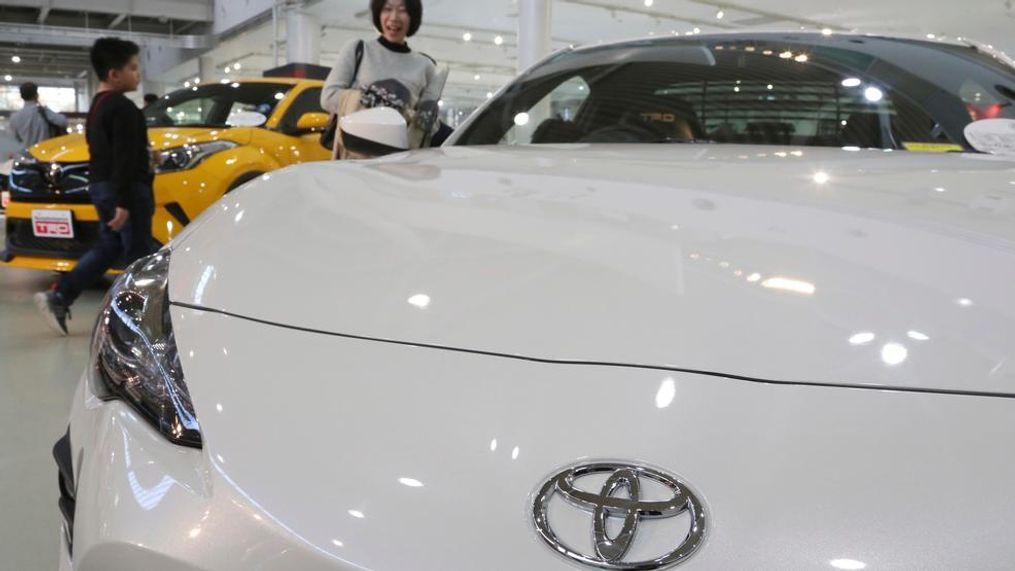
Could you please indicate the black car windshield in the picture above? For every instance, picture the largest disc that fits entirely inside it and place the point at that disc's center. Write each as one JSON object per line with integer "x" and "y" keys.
{"x": 215, "y": 105}
{"x": 767, "y": 89}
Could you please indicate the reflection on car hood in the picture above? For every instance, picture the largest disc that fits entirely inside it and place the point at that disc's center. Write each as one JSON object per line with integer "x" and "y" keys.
{"x": 810, "y": 265}
{"x": 74, "y": 148}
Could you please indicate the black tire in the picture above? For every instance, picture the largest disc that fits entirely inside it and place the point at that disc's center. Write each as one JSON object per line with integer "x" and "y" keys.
{"x": 243, "y": 179}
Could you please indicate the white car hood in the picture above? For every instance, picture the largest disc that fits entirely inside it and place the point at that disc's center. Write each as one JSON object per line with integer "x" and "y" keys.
{"x": 805, "y": 265}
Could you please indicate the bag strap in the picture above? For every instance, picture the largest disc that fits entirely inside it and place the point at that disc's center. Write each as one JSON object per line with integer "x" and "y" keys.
{"x": 359, "y": 61}
{"x": 42, "y": 111}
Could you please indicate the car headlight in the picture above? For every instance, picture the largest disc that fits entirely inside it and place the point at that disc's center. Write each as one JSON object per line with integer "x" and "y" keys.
{"x": 135, "y": 353}
{"x": 189, "y": 156}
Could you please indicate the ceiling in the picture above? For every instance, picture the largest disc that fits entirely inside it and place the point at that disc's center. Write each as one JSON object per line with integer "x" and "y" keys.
{"x": 478, "y": 66}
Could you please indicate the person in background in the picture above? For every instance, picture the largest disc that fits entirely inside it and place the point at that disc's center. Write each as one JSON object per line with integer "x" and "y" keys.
{"x": 120, "y": 179}
{"x": 34, "y": 123}
{"x": 385, "y": 71}
{"x": 150, "y": 98}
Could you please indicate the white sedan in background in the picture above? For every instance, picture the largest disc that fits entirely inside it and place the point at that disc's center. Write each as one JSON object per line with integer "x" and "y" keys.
{"x": 721, "y": 302}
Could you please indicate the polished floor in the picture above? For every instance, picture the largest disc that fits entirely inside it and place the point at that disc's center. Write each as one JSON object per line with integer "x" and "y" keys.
{"x": 38, "y": 373}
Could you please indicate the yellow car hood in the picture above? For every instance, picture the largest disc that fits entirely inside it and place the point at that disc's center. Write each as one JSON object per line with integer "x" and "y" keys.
{"x": 74, "y": 148}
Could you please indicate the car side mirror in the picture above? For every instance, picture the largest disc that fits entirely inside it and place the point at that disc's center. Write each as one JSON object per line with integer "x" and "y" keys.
{"x": 375, "y": 132}
{"x": 312, "y": 121}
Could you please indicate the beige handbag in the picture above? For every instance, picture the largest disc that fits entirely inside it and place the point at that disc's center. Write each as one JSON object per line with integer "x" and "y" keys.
{"x": 348, "y": 102}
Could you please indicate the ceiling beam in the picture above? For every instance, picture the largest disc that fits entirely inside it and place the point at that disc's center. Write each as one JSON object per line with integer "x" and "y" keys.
{"x": 656, "y": 14}
{"x": 62, "y": 36}
{"x": 199, "y": 10}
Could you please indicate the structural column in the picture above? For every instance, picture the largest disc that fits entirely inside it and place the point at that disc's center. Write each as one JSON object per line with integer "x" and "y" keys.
{"x": 206, "y": 69}
{"x": 534, "y": 20}
{"x": 302, "y": 35}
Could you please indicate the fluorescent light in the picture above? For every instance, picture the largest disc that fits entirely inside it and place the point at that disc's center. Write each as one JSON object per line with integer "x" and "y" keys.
{"x": 861, "y": 338}
{"x": 873, "y": 94}
{"x": 411, "y": 482}
{"x": 893, "y": 354}
{"x": 420, "y": 300}
{"x": 790, "y": 285}
{"x": 848, "y": 564}
{"x": 667, "y": 391}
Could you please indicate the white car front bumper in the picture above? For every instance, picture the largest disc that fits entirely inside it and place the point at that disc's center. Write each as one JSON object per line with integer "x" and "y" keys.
{"x": 141, "y": 502}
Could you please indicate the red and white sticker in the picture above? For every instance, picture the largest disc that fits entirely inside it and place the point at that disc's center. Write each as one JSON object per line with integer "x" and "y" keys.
{"x": 52, "y": 224}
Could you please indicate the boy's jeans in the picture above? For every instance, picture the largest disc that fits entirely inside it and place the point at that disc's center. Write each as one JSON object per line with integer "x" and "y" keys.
{"x": 133, "y": 241}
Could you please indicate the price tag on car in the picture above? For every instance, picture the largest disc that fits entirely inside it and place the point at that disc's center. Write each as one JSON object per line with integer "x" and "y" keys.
{"x": 52, "y": 224}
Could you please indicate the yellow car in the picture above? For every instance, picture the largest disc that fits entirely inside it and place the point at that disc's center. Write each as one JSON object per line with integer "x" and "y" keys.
{"x": 208, "y": 139}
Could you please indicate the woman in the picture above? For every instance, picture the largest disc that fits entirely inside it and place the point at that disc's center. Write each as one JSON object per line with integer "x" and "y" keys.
{"x": 384, "y": 71}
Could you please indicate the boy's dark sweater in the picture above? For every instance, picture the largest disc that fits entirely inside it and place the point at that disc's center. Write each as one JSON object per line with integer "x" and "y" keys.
{"x": 117, "y": 144}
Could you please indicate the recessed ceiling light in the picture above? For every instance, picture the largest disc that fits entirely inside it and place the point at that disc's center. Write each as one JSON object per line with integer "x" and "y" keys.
{"x": 498, "y": 40}
{"x": 16, "y": 59}
{"x": 467, "y": 36}
{"x": 720, "y": 15}
{"x": 826, "y": 32}
{"x": 648, "y": 3}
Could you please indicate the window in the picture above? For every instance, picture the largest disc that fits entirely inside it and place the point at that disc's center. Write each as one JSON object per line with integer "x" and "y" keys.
{"x": 308, "y": 101}
{"x": 551, "y": 120}
{"x": 768, "y": 91}
{"x": 213, "y": 105}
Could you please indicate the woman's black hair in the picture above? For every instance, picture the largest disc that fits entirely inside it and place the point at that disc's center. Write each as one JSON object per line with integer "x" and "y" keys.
{"x": 413, "y": 7}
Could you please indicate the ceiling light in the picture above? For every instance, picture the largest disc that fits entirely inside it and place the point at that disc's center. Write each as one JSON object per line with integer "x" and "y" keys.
{"x": 931, "y": 36}
{"x": 821, "y": 177}
{"x": 851, "y": 82}
{"x": 802, "y": 58}
{"x": 440, "y": 103}
{"x": 720, "y": 15}
{"x": 917, "y": 335}
{"x": 648, "y": 3}
{"x": 489, "y": 95}
{"x": 786, "y": 55}
{"x": 8, "y": 77}
{"x": 873, "y": 94}
{"x": 236, "y": 65}
{"x": 790, "y": 285}
{"x": 476, "y": 77}
{"x": 522, "y": 119}
{"x": 696, "y": 30}
{"x": 893, "y": 354}
{"x": 826, "y": 32}
{"x": 228, "y": 68}
{"x": 770, "y": 86}
{"x": 197, "y": 80}
{"x": 185, "y": 84}
{"x": 499, "y": 40}
{"x": 861, "y": 338}
{"x": 16, "y": 59}
{"x": 467, "y": 36}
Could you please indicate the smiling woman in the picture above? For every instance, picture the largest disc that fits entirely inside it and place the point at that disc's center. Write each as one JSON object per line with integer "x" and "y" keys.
{"x": 386, "y": 72}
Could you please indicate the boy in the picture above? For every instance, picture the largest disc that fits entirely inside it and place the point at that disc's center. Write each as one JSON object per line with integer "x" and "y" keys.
{"x": 120, "y": 179}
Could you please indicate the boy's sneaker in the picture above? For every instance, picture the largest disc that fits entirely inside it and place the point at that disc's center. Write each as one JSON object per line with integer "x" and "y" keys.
{"x": 53, "y": 311}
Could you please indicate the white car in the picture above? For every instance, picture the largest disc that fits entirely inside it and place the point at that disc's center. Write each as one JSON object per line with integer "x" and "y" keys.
{"x": 683, "y": 301}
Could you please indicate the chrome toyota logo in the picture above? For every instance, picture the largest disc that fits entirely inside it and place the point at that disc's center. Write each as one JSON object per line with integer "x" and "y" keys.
{"x": 633, "y": 510}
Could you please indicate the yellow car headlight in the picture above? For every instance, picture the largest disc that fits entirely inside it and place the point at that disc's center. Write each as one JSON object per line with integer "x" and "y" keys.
{"x": 189, "y": 156}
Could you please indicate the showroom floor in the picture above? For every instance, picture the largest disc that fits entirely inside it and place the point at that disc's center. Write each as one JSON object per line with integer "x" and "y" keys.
{"x": 38, "y": 373}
